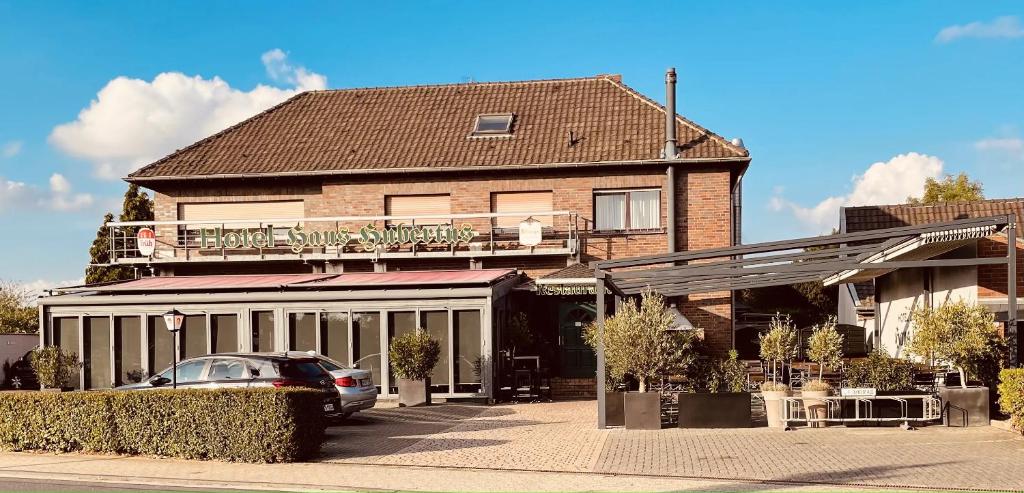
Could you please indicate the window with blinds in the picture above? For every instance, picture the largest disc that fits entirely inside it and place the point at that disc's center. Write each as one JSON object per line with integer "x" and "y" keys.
{"x": 256, "y": 211}
{"x": 529, "y": 202}
{"x": 627, "y": 210}
{"x": 418, "y": 205}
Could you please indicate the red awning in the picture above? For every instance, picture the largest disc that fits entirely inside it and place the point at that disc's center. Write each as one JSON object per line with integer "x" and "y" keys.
{"x": 414, "y": 278}
{"x": 199, "y": 283}
{"x": 284, "y": 281}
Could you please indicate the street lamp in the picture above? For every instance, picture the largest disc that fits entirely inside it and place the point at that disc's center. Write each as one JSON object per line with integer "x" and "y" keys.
{"x": 173, "y": 320}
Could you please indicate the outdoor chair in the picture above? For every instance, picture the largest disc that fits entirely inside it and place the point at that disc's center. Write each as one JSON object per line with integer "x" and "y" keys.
{"x": 523, "y": 386}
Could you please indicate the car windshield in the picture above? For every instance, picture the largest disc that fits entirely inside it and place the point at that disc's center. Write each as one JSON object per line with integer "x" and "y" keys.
{"x": 306, "y": 369}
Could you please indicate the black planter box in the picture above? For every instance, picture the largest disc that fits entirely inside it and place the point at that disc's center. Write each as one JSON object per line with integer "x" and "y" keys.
{"x": 720, "y": 410}
{"x": 964, "y": 407}
{"x": 413, "y": 393}
{"x": 614, "y": 414}
{"x": 642, "y": 410}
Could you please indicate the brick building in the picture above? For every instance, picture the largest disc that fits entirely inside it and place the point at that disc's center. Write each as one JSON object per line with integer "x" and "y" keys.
{"x": 483, "y": 198}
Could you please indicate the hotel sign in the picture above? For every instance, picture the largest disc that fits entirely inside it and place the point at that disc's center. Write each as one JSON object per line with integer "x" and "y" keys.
{"x": 368, "y": 237}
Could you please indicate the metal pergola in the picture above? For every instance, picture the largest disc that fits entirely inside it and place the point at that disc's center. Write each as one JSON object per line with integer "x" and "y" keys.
{"x": 786, "y": 262}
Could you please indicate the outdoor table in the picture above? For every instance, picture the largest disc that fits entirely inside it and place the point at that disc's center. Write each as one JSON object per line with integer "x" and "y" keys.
{"x": 930, "y": 405}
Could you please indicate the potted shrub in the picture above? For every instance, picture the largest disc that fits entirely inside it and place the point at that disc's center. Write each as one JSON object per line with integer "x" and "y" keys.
{"x": 778, "y": 346}
{"x": 718, "y": 397}
{"x": 413, "y": 357}
{"x": 824, "y": 347}
{"x": 958, "y": 335}
{"x": 635, "y": 342}
{"x": 54, "y": 367}
{"x": 888, "y": 376}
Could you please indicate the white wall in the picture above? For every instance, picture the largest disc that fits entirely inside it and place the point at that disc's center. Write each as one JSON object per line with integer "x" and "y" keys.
{"x": 901, "y": 291}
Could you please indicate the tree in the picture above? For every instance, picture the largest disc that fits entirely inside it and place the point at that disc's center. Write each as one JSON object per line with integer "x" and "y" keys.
{"x": 958, "y": 334}
{"x": 137, "y": 206}
{"x": 17, "y": 315}
{"x": 637, "y": 340}
{"x": 949, "y": 189}
{"x": 778, "y": 345}
{"x": 825, "y": 346}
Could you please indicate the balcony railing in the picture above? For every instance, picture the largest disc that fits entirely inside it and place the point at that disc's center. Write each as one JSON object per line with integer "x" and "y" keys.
{"x": 342, "y": 238}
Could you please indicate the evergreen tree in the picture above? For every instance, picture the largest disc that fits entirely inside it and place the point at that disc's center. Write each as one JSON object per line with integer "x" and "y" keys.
{"x": 949, "y": 189}
{"x": 137, "y": 207}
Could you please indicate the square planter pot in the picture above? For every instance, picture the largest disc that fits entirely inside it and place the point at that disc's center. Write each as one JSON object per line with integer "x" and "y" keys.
{"x": 642, "y": 410}
{"x": 964, "y": 407}
{"x": 719, "y": 410}
{"x": 413, "y": 393}
{"x": 614, "y": 414}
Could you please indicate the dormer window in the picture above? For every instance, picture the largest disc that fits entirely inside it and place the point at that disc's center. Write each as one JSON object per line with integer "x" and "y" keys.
{"x": 494, "y": 124}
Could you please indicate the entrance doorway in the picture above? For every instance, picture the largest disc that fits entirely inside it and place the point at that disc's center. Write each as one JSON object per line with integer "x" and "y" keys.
{"x": 577, "y": 358}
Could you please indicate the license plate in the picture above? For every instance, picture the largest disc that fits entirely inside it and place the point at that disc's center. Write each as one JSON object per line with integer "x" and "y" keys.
{"x": 328, "y": 407}
{"x": 365, "y": 382}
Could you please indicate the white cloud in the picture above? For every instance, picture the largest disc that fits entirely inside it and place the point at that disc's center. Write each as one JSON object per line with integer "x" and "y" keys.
{"x": 1001, "y": 27}
{"x": 133, "y": 122}
{"x": 279, "y": 70}
{"x": 16, "y": 195}
{"x": 11, "y": 148}
{"x": 886, "y": 182}
{"x": 1008, "y": 147}
{"x": 34, "y": 289}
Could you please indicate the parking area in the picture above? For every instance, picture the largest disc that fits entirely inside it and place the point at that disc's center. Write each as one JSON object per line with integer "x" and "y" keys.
{"x": 562, "y": 436}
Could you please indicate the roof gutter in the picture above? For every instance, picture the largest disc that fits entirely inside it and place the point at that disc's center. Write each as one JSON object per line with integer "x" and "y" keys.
{"x": 742, "y": 161}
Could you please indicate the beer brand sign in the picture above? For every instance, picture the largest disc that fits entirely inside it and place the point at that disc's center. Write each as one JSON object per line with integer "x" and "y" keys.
{"x": 368, "y": 237}
{"x": 146, "y": 241}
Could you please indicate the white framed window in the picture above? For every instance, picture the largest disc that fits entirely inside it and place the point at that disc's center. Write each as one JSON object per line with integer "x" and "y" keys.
{"x": 627, "y": 210}
{"x": 493, "y": 124}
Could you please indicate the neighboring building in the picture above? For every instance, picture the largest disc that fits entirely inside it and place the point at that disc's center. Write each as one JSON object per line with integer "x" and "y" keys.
{"x": 882, "y": 306}
{"x": 360, "y": 214}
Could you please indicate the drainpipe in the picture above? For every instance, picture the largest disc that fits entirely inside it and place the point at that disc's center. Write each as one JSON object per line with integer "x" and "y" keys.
{"x": 670, "y": 209}
{"x": 670, "y": 154}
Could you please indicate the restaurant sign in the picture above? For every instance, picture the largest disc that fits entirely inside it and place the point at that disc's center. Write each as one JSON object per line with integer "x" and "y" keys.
{"x": 565, "y": 289}
{"x": 368, "y": 237}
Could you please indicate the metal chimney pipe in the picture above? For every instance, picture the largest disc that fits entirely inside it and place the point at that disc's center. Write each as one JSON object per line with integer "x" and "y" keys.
{"x": 670, "y": 113}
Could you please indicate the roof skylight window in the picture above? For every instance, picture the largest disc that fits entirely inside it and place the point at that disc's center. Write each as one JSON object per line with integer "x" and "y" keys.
{"x": 500, "y": 124}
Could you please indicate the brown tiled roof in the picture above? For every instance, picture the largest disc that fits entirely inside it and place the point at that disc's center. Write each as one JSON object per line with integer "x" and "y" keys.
{"x": 428, "y": 127}
{"x": 574, "y": 271}
{"x": 891, "y": 216}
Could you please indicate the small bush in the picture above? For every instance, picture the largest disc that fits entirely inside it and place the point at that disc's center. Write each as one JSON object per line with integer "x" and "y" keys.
{"x": 882, "y": 372}
{"x": 54, "y": 366}
{"x": 774, "y": 387}
{"x": 717, "y": 375}
{"x": 1011, "y": 396}
{"x": 245, "y": 425}
{"x": 817, "y": 386}
{"x": 414, "y": 355}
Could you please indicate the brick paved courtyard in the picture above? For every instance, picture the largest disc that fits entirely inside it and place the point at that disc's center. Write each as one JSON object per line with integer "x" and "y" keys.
{"x": 561, "y": 436}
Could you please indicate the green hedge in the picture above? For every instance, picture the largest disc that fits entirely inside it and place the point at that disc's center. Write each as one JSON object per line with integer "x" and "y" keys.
{"x": 1011, "y": 396}
{"x": 247, "y": 425}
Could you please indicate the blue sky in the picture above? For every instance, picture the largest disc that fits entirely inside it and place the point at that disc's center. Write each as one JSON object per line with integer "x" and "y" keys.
{"x": 839, "y": 103}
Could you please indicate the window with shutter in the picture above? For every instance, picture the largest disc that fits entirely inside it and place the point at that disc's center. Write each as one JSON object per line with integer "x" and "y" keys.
{"x": 418, "y": 205}
{"x": 530, "y": 202}
{"x": 258, "y": 212}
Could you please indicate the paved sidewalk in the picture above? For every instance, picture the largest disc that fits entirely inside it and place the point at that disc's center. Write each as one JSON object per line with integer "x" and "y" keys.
{"x": 555, "y": 447}
{"x": 562, "y": 437}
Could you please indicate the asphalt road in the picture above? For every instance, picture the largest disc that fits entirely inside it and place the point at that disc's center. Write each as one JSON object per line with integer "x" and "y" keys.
{"x": 20, "y": 484}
